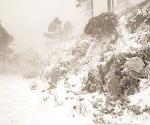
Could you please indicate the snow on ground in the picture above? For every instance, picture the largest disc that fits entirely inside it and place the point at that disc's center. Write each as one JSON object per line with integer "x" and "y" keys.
{"x": 140, "y": 99}
{"x": 13, "y": 100}
{"x": 21, "y": 106}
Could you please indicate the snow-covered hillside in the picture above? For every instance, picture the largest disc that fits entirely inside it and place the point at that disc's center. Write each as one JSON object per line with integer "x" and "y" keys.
{"x": 102, "y": 81}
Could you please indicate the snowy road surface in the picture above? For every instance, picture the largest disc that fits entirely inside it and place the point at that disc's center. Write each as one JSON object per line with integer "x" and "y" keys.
{"x": 20, "y": 106}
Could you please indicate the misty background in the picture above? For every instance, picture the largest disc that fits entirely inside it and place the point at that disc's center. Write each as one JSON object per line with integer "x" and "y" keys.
{"x": 28, "y": 20}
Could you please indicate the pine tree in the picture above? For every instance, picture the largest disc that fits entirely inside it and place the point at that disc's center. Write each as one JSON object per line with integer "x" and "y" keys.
{"x": 5, "y": 50}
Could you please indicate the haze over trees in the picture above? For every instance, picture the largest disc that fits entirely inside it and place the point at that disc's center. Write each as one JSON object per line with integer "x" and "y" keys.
{"x": 58, "y": 29}
{"x": 5, "y": 50}
{"x": 88, "y": 5}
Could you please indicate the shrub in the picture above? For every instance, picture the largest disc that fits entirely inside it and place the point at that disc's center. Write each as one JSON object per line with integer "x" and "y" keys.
{"x": 103, "y": 24}
{"x": 139, "y": 17}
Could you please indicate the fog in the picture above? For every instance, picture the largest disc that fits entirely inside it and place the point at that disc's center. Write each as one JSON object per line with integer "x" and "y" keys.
{"x": 28, "y": 20}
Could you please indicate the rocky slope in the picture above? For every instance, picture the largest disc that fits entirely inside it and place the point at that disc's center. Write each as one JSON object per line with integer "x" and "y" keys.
{"x": 106, "y": 80}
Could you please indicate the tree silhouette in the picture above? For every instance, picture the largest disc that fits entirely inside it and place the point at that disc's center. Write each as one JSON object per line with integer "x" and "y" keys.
{"x": 5, "y": 50}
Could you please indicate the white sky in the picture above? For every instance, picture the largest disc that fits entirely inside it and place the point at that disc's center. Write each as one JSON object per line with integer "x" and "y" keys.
{"x": 27, "y": 20}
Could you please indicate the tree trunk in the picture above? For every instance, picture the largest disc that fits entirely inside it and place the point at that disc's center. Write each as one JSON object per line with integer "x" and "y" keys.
{"x": 109, "y": 6}
{"x": 112, "y": 6}
{"x": 92, "y": 8}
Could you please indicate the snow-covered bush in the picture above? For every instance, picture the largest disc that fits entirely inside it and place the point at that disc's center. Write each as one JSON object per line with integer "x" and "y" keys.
{"x": 102, "y": 25}
{"x": 142, "y": 15}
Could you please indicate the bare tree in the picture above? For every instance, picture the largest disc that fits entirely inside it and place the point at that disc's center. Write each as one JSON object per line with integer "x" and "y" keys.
{"x": 88, "y": 5}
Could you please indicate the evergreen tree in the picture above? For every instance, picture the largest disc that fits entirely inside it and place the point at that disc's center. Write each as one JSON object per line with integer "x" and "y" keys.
{"x": 5, "y": 50}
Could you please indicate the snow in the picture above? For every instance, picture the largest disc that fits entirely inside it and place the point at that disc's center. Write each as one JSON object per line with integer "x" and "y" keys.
{"x": 128, "y": 40}
{"x": 141, "y": 98}
{"x": 67, "y": 103}
{"x": 68, "y": 94}
{"x": 21, "y": 106}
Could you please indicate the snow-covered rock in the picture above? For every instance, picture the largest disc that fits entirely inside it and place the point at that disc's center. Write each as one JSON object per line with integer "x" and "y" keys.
{"x": 92, "y": 77}
{"x": 134, "y": 64}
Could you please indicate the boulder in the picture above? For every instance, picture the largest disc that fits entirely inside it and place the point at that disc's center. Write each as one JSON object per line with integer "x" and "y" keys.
{"x": 113, "y": 73}
{"x": 134, "y": 64}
